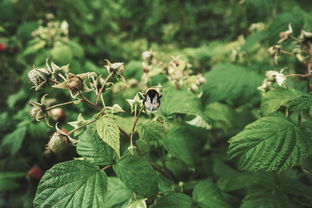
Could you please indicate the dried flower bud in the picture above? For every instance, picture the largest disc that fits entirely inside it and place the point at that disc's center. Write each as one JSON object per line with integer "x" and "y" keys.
{"x": 39, "y": 77}
{"x": 58, "y": 142}
{"x": 305, "y": 37}
{"x": 285, "y": 34}
{"x": 74, "y": 84}
{"x": 148, "y": 56}
{"x": 194, "y": 87}
{"x": 201, "y": 79}
{"x": 274, "y": 76}
{"x": 36, "y": 112}
{"x": 117, "y": 68}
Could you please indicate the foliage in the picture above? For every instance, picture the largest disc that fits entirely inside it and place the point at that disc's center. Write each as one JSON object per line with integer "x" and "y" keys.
{"x": 228, "y": 85}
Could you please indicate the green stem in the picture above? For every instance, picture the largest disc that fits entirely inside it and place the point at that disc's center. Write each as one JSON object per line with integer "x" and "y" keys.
{"x": 82, "y": 126}
{"x": 136, "y": 118}
{"x": 89, "y": 102}
{"x": 61, "y": 104}
{"x": 102, "y": 88}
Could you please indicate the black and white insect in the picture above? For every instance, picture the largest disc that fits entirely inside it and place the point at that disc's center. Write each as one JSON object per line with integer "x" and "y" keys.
{"x": 151, "y": 99}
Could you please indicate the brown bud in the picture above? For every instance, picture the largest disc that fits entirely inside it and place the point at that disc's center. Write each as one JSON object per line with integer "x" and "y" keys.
{"x": 74, "y": 84}
{"x": 38, "y": 76}
{"x": 58, "y": 142}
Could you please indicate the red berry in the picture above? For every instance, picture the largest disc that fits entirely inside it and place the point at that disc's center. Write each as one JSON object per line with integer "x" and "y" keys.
{"x": 3, "y": 46}
{"x": 35, "y": 172}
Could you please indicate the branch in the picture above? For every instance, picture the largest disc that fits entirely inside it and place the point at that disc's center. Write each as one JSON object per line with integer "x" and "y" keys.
{"x": 89, "y": 102}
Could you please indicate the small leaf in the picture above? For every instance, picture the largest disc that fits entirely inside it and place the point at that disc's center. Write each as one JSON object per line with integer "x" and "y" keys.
{"x": 175, "y": 200}
{"x": 93, "y": 149}
{"x": 270, "y": 144}
{"x": 208, "y": 194}
{"x": 108, "y": 130}
{"x": 73, "y": 184}
{"x": 182, "y": 145}
{"x": 151, "y": 131}
{"x": 276, "y": 98}
{"x": 138, "y": 175}
{"x": 138, "y": 204}
{"x": 13, "y": 141}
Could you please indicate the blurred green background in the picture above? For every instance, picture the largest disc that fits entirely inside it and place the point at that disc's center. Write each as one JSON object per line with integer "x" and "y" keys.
{"x": 206, "y": 33}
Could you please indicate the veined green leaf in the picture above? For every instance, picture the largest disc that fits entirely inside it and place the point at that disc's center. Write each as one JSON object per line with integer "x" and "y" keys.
{"x": 118, "y": 195}
{"x": 208, "y": 194}
{"x": 276, "y": 98}
{"x": 138, "y": 175}
{"x": 108, "y": 130}
{"x": 270, "y": 144}
{"x": 74, "y": 184}
{"x": 93, "y": 149}
{"x": 231, "y": 83}
{"x": 151, "y": 131}
{"x": 13, "y": 141}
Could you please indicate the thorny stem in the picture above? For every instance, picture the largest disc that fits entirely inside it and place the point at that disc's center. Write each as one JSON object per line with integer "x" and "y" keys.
{"x": 76, "y": 129}
{"x": 136, "y": 118}
{"x": 102, "y": 88}
{"x": 61, "y": 104}
{"x": 89, "y": 102}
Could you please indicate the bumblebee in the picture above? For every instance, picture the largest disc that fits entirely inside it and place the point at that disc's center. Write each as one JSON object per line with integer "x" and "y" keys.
{"x": 151, "y": 99}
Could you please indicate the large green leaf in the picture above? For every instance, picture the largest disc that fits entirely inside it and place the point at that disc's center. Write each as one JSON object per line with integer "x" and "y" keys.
{"x": 270, "y": 144}
{"x": 108, "y": 130}
{"x": 175, "y": 200}
{"x": 231, "y": 83}
{"x": 138, "y": 175}
{"x": 179, "y": 102}
{"x": 151, "y": 131}
{"x": 276, "y": 98}
{"x": 181, "y": 144}
{"x": 206, "y": 193}
{"x": 92, "y": 148}
{"x": 72, "y": 184}
{"x": 118, "y": 195}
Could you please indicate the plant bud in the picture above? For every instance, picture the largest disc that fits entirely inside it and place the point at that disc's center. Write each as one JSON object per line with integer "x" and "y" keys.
{"x": 74, "y": 84}
{"x": 58, "y": 114}
{"x": 36, "y": 112}
{"x": 58, "y": 142}
{"x": 305, "y": 37}
{"x": 148, "y": 56}
{"x": 201, "y": 79}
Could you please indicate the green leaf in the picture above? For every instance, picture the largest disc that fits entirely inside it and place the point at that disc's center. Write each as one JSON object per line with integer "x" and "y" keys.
{"x": 262, "y": 198}
{"x": 179, "y": 102}
{"x": 276, "y": 98}
{"x": 72, "y": 184}
{"x": 7, "y": 180}
{"x": 231, "y": 83}
{"x": 259, "y": 10}
{"x": 180, "y": 143}
{"x": 208, "y": 194}
{"x": 138, "y": 175}
{"x": 14, "y": 98}
{"x": 151, "y": 131}
{"x": 108, "y": 130}
{"x": 93, "y": 149}
{"x": 299, "y": 103}
{"x": 118, "y": 195}
{"x": 270, "y": 144}
{"x": 13, "y": 141}
{"x": 175, "y": 200}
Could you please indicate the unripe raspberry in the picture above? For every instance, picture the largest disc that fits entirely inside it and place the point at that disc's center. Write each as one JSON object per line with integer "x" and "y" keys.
{"x": 3, "y": 46}
{"x": 58, "y": 142}
{"x": 74, "y": 84}
{"x": 58, "y": 114}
